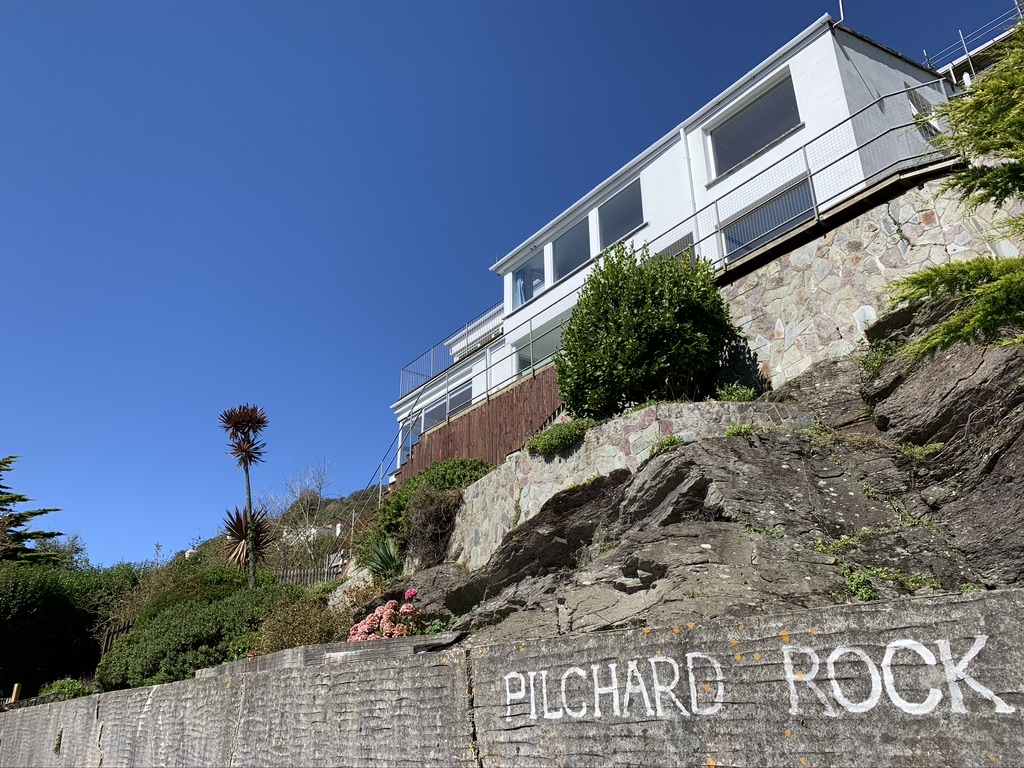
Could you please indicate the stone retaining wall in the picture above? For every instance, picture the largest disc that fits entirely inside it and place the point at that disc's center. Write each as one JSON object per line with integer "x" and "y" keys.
{"x": 919, "y": 681}
{"x": 516, "y": 490}
{"x": 814, "y": 303}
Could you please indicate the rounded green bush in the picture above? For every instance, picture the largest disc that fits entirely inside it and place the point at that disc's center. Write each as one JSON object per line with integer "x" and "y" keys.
{"x": 643, "y": 328}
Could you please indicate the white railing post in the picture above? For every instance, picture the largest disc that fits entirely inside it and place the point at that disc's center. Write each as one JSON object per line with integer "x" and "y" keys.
{"x": 810, "y": 181}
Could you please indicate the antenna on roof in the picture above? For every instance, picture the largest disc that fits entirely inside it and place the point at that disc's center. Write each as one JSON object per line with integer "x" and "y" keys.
{"x": 842, "y": 15}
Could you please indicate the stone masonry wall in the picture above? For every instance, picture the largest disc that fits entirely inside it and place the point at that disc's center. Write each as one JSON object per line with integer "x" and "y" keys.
{"x": 518, "y": 488}
{"x": 917, "y": 681}
{"x": 811, "y": 304}
{"x": 815, "y": 302}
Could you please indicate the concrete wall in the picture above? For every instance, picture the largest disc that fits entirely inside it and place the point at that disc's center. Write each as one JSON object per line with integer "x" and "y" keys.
{"x": 921, "y": 681}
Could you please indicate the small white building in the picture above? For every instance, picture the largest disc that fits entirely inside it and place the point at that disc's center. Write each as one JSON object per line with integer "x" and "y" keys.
{"x": 824, "y": 118}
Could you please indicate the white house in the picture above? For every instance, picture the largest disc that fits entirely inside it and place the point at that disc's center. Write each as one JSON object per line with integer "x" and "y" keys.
{"x": 820, "y": 121}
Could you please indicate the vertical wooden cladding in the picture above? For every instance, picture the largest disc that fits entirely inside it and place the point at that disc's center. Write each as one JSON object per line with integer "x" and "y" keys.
{"x": 491, "y": 430}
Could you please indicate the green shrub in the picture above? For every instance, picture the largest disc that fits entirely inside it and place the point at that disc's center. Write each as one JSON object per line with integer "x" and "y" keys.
{"x": 846, "y": 541}
{"x": 989, "y": 296}
{"x": 68, "y": 688}
{"x": 670, "y": 441}
{"x": 49, "y": 621}
{"x": 294, "y": 623}
{"x": 322, "y": 592}
{"x": 741, "y": 430}
{"x": 920, "y": 452}
{"x": 559, "y": 437}
{"x": 431, "y": 516}
{"x": 770, "y": 531}
{"x": 878, "y": 353}
{"x": 643, "y": 328}
{"x": 391, "y": 521}
{"x": 200, "y": 630}
{"x": 735, "y": 393}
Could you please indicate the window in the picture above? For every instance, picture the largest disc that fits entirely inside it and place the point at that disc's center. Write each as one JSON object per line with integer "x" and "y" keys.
{"x": 460, "y": 399}
{"x": 434, "y": 415}
{"x": 540, "y": 348}
{"x": 920, "y": 109}
{"x": 572, "y": 249}
{"x": 528, "y": 280}
{"x": 680, "y": 249}
{"x": 456, "y": 401}
{"x": 621, "y": 215}
{"x": 755, "y": 126}
{"x": 769, "y": 219}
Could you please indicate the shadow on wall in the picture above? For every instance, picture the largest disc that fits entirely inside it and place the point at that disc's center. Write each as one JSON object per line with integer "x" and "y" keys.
{"x": 740, "y": 365}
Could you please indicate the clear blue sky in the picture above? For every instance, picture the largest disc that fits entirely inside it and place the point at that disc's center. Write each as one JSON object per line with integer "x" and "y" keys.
{"x": 209, "y": 203}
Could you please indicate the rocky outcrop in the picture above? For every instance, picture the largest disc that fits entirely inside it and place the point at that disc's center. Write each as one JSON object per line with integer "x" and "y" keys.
{"x": 848, "y": 510}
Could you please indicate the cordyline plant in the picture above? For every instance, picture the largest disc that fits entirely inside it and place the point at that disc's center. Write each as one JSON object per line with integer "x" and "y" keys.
{"x": 244, "y": 423}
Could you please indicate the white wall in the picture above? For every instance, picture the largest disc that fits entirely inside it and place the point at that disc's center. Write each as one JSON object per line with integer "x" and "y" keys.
{"x": 817, "y": 86}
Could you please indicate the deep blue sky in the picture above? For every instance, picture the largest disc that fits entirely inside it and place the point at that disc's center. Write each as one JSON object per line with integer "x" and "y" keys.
{"x": 210, "y": 203}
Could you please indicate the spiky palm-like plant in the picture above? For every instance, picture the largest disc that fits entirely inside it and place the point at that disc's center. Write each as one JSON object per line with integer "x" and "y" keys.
{"x": 244, "y": 423}
{"x": 236, "y": 531}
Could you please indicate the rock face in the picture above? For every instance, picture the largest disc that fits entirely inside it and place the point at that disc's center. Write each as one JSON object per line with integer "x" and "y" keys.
{"x": 848, "y": 510}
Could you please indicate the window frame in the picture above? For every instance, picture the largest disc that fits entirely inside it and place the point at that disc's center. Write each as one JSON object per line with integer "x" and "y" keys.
{"x": 632, "y": 227}
{"x": 556, "y": 277}
{"x": 748, "y": 103}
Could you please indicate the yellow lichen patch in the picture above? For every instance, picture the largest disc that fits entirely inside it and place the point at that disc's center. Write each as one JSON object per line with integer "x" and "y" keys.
{"x": 575, "y": 654}
{"x": 660, "y": 653}
{"x": 522, "y": 649}
{"x": 647, "y": 630}
{"x": 734, "y": 643}
{"x": 992, "y": 758}
{"x": 711, "y": 762}
{"x": 742, "y": 628}
{"x": 800, "y": 676}
{"x": 677, "y": 630}
{"x": 814, "y": 630}
{"x": 789, "y": 734}
{"x": 692, "y": 626}
{"x": 803, "y": 761}
{"x": 483, "y": 651}
{"x": 444, "y": 659}
{"x": 739, "y": 657}
{"x": 419, "y": 705}
{"x": 784, "y": 635}
{"x": 707, "y": 688}
{"x": 757, "y": 657}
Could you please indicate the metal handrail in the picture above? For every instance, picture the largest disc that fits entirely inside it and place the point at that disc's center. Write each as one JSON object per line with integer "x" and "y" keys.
{"x": 968, "y": 44}
{"x": 441, "y": 356}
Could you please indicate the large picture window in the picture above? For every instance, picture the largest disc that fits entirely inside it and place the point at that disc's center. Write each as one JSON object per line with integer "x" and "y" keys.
{"x": 755, "y": 126}
{"x": 621, "y": 215}
{"x": 572, "y": 249}
{"x": 528, "y": 280}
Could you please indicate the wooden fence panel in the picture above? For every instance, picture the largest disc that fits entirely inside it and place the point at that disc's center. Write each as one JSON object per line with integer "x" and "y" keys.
{"x": 493, "y": 429}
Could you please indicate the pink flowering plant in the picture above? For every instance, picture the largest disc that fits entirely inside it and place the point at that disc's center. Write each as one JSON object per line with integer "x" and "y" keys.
{"x": 390, "y": 620}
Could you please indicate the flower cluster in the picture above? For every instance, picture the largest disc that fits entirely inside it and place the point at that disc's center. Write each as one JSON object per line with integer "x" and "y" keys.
{"x": 390, "y": 620}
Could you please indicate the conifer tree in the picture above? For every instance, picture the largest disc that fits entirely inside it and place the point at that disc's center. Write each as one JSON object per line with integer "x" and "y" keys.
{"x": 15, "y": 536}
{"x": 986, "y": 128}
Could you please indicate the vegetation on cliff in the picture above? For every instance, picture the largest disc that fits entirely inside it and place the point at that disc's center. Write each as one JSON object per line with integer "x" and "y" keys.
{"x": 986, "y": 128}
